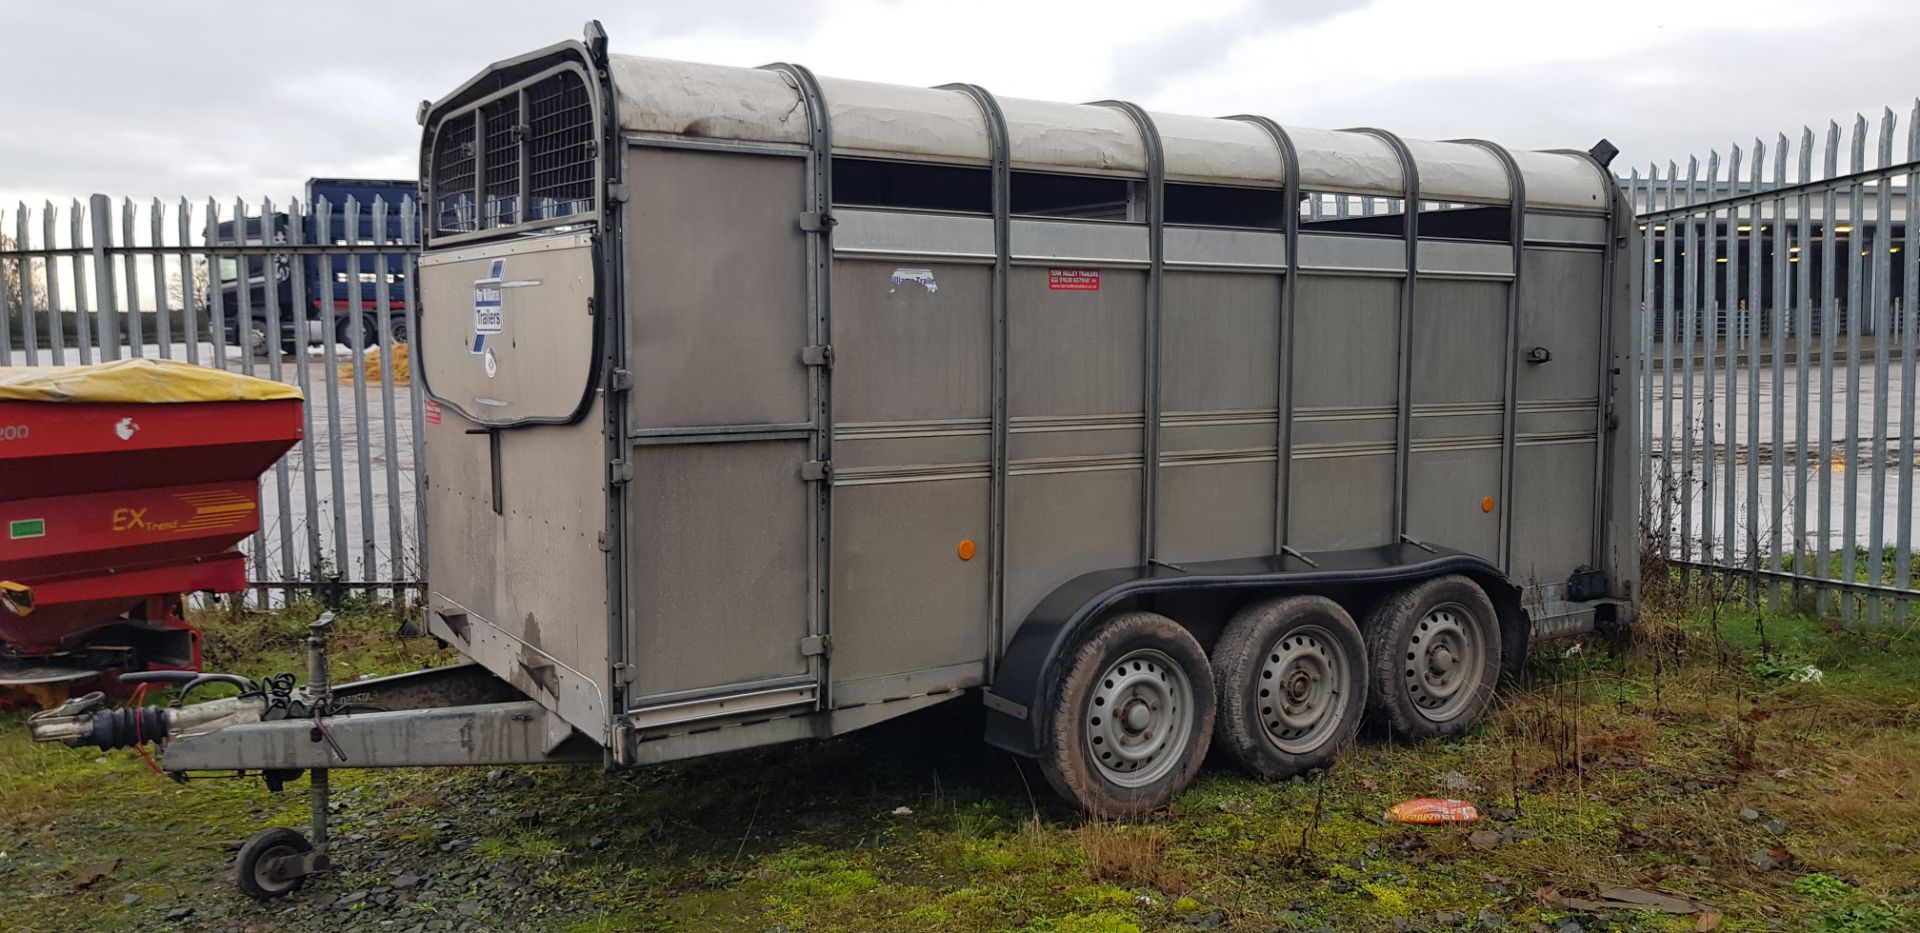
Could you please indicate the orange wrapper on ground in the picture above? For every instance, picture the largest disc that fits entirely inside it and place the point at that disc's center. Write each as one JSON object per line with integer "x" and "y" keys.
{"x": 1428, "y": 810}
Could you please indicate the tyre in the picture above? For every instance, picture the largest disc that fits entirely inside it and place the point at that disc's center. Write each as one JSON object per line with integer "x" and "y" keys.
{"x": 369, "y": 332}
{"x": 1290, "y": 681}
{"x": 255, "y": 337}
{"x": 260, "y": 857}
{"x": 1435, "y": 658}
{"x": 1131, "y": 717}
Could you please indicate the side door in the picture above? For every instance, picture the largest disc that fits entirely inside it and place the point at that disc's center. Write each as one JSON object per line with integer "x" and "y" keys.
{"x": 723, "y": 535}
{"x": 1557, "y": 411}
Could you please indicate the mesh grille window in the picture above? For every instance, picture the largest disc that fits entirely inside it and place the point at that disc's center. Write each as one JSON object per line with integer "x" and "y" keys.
{"x": 524, "y": 157}
{"x": 560, "y": 180}
{"x": 501, "y": 120}
{"x": 453, "y": 171}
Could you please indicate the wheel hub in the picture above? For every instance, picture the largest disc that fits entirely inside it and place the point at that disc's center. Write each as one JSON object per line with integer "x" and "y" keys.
{"x": 1139, "y": 718}
{"x": 1443, "y": 662}
{"x": 1301, "y": 685}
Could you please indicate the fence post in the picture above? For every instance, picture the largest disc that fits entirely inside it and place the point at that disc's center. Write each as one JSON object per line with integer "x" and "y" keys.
{"x": 100, "y": 217}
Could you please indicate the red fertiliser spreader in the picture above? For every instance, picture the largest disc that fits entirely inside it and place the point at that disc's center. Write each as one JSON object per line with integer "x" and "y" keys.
{"x": 124, "y": 486}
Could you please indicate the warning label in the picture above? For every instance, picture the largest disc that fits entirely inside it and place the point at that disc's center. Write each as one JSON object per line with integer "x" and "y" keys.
{"x": 1073, "y": 280}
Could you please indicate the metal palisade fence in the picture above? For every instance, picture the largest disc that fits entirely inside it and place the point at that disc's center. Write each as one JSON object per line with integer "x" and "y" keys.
{"x": 1777, "y": 356}
{"x": 284, "y": 292}
{"x": 314, "y": 294}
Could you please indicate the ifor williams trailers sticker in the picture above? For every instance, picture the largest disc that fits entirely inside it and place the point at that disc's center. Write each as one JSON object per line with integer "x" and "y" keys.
{"x": 920, "y": 277}
{"x": 490, "y": 307}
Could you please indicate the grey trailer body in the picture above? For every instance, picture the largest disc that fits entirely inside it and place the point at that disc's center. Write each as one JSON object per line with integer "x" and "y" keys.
{"x": 767, "y": 406}
{"x": 799, "y": 349}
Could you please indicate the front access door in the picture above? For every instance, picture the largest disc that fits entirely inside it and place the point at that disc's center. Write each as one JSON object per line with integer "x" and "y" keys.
{"x": 506, "y": 336}
{"x": 514, "y": 486}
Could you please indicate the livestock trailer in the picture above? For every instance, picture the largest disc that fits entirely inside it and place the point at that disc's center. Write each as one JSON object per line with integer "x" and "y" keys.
{"x": 767, "y": 407}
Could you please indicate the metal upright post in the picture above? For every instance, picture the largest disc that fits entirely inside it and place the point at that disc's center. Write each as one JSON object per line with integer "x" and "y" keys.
{"x": 321, "y": 688}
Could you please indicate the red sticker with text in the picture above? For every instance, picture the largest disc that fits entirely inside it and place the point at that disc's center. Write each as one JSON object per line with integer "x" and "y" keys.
{"x": 433, "y": 412}
{"x": 1073, "y": 280}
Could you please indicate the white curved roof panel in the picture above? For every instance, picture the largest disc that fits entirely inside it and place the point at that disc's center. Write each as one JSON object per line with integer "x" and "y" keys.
{"x": 657, "y": 97}
{"x": 1085, "y": 138}
{"x": 1221, "y": 152}
{"x": 896, "y": 121}
{"x": 1558, "y": 180}
{"x": 1458, "y": 172}
{"x": 1347, "y": 162}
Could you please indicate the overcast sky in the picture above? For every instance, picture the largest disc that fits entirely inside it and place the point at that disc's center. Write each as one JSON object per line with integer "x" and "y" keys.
{"x": 230, "y": 99}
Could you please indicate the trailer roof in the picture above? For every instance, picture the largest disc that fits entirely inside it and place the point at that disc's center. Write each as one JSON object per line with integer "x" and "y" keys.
{"x": 659, "y": 97}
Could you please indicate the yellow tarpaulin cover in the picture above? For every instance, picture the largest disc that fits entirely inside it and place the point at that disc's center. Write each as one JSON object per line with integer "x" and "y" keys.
{"x": 136, "y": 381}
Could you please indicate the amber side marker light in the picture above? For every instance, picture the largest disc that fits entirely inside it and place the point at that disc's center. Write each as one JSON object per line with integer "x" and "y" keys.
{"x": 1486, "y": 505}
{"x": 966, "y": 549}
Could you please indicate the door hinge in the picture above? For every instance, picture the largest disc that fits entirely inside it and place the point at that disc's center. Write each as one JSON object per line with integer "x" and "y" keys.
{"x": 620, "y": 380}
{"x": 617, "y": 193}
{"x": 817, "y": 221}
{"x": 620, "y": 472}
{"x": 817, "y": 355}
{"x": 816, "y": 470}
{"x": 812, "y": 645}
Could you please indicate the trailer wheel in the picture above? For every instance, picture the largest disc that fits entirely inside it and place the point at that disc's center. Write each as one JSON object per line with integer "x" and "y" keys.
{"x": 1435, "y": 651}
{"x": 1290, "y": 675}
{"x": 260, "y": 873}
{"x": 1131, "y": 718}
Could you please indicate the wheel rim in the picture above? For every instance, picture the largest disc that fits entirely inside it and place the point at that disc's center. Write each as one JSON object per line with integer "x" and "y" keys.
{"x": 267, "y": 858}
{"x": 1444, "y": 657}
{"x": 257, "y": 338}
{"x": 1303, "y": 683}
{"x": 1139, "y": 719}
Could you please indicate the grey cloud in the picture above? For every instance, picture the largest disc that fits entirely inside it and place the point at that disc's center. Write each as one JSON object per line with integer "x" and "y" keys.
{"x": 1682, "y": 96}
{"x": 147, "y": 99}
{"x": 1143, "y": 69}
{"x": 1710, "y": 97}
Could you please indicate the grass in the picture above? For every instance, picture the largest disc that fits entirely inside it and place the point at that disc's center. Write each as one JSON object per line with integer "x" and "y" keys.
{"x": 1687, "y": 760}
